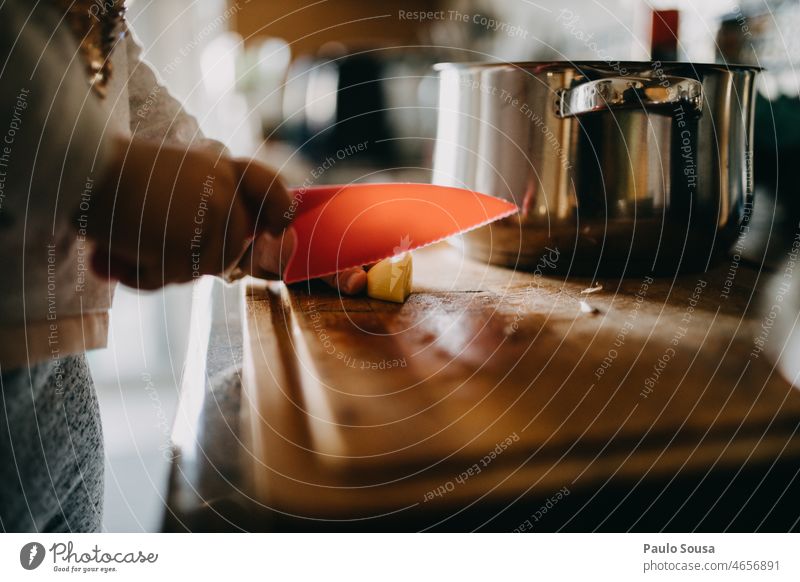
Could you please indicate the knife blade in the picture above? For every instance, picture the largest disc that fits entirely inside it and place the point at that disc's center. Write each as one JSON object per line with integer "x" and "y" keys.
{"x": 342, "y": 226}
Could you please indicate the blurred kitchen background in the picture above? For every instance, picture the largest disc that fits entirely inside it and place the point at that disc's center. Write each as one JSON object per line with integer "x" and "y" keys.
{"x": 300, "y": 84}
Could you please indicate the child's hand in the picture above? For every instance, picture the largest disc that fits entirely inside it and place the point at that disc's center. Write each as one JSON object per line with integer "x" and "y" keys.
{"x": 271, "y": 253}
{"x": 168, "y": 215}
{"x": 273, "y": 247}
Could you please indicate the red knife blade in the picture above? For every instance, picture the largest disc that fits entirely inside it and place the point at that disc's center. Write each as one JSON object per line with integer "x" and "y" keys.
{"x": 344, "y": 226}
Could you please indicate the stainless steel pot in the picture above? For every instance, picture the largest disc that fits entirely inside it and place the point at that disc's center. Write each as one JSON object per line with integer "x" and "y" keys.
{"x": 624, "y": 167}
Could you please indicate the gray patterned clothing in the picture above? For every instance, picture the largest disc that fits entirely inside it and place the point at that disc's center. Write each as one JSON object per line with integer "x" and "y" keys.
{"x": 51, "y": 449}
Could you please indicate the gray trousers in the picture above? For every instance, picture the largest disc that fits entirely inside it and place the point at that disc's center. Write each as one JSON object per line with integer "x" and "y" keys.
{"x": 51, "y": 449}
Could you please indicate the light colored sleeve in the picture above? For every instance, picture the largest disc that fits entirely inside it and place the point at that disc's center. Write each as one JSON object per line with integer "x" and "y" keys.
{"x": 155, "y": 114}
{"x": 52, "y": 128}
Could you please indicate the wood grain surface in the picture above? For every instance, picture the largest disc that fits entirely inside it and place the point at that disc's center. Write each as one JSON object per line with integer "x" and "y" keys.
{"x": 490, "y": 383}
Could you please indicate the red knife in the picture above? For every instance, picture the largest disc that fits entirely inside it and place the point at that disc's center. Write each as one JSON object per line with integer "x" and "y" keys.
{"x": 344, "y": 226}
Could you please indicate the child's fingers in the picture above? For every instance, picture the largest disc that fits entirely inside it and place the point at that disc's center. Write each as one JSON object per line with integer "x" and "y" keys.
{"x": 271, "y": 253}
{"x": 128, "y": 273}
{"x": 108, "y": 267}
{"x": 267, "y": 199}
{"x": 349, "y": 281}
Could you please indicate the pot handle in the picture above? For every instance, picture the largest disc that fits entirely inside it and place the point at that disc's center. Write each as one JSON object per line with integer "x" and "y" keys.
{"x": 663, "y": 93}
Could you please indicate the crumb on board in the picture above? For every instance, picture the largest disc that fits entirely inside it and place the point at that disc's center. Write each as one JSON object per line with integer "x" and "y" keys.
{"x": 587, "y": 308}
{"x": 594, "y": 289}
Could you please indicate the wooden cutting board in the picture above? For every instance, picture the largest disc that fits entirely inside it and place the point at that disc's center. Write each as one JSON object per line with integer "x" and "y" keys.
{"x": 493, "y": 384}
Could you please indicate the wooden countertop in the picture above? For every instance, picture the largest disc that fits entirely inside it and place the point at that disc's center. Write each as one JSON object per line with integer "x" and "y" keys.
{"x": 490, "y": 384}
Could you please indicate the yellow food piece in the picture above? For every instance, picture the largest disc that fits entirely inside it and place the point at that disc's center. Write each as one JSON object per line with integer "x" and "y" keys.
{"x": 390, "y": 280}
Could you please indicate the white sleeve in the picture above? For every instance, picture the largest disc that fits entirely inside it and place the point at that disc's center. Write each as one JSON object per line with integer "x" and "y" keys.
{"x": 154, "y": 113}
{"x": 52, "y": 126}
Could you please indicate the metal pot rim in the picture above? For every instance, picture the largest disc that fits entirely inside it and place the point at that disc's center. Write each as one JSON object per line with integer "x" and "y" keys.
{"x": 611, "y": 67}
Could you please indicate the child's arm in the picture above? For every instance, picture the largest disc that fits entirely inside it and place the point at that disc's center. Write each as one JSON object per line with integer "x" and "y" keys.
{"x": 156, "y": 115}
